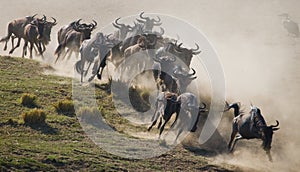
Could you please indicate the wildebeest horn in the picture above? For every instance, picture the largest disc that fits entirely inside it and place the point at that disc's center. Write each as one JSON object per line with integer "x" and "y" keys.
{"x": 44, "y": 18}
{"x": 33, "y": 15}
{"x": 162, "y": 31}
{"x": 94, "y": 24}
{"x": 54, "y": 21}
{"x": 116, "y": 21}
{"x": 195, "y": 51}
{"x": 194, "y": 72}
{"x": 158, "y": 19}
{"x": 273, "y": 126}
{"x": 141, "y": 15}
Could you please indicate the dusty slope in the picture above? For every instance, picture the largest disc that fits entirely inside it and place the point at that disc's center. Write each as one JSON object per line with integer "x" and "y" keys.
{"x": 260, "y": 61}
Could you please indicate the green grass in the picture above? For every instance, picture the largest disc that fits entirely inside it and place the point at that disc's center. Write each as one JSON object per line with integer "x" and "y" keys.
{"x": 60, "y": 143}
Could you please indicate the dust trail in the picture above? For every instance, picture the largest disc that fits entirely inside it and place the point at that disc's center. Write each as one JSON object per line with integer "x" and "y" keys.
{"x": 260, "y": 61}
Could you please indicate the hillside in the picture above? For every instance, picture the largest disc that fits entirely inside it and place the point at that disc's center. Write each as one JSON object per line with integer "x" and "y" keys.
{"x": 61, "y": 143}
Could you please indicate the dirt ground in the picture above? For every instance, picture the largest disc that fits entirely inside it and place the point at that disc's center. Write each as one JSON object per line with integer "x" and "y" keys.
{"x": 260, "y": 60}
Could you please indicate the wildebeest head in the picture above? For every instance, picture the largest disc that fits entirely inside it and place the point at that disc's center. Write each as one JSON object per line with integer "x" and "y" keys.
{"x": 85, "y": 29}
{"x": 268, "y": 135}
{"x": 47, "y": 30}
{"x": 184, "y": 78}
{"x": 40, "y": 24}
{"x": 234, "y": 106}
{"x": 149, "y": 23}
{"x": 123, "y": 28}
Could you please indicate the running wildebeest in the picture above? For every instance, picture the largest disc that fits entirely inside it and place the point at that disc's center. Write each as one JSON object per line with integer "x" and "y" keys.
{"x": 186, "y": 108}
{"x": 16, "y": 29}
{"x": 250, "y": 126}
{"x": 74, "y": 38}
{"x": 148, "y": 23}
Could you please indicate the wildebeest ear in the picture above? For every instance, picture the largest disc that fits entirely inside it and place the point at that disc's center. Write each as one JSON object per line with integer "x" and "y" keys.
{"x": 275, "y": 129}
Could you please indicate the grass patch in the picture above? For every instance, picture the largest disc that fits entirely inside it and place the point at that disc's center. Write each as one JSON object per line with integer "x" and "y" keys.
{"x": 34, "y": 117}
{"x": 28, "y": 100}
{"x": 65, "y": 107}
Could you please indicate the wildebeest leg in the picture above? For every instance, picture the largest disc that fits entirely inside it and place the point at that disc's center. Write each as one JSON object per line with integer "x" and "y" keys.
{"x": 162, "y": 128}
{"x": 179, "y": 132}
{"x": 233, "y": 134}
{"x": 152, "y": 124}
{"x": 176, "y": 117}
{"x": 24, "y": 49}
{"x": 13, "y": 48}
{"x": 269, "y": 155}
{"x": 30, "y": 50}
{"x": 239, "y": 137}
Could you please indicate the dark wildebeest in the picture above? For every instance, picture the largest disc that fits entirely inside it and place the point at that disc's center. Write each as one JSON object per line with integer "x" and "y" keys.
{"x": 251, "y": 126}
{"x": 291, "y": 26}
{"x": 46, "y": 38}
{"x": 16, "y": 29}
{"x": 183, "y": 54}
{"x": 116, "y": 54}
{"x": 183, "y": 78}
{"x": 123, "y": 30}
{"x": 74, "y": 38}
{"x": 148, "y": 23}
{"x": 184, "y": 106}
{"x": 33, "y": 33}
{"x": 93, "y": 50}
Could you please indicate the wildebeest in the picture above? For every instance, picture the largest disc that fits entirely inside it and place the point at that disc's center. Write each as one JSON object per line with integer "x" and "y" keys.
{"x": 16, "y": 29}
{"x": 183, "y": 78}
{"x": 250, "y": 126}
{"x": 291, "y": 26}
{"x": 116, "y": 54}
{"x": 46, "y": 38}
{"x": 33, "y": 34}
{"x": 93, "y": 50}
{"x": 148, "y": 23}
{"x": 185, "y": 106}
{"x": 182, "y": 53}
{"x": 140, "y": 45}
{"x": 74, "y": 38}
{"x": 122, "y": 31}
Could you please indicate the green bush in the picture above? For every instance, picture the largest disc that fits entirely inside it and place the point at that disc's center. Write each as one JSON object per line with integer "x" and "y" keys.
{"x": 65, "y": 107}
{"x": 88, "y": 114}
{"x": 28, "y": 100}
{"x": 34, "y": 116}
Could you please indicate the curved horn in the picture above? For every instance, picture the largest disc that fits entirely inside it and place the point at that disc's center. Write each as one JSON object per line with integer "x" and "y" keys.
{"x": 194, "y": 72}
{"x": 197, "y": 47}
{"x": 94, "y": 25}
{"x": 162, "y": 31}
{"x": 116, "y": 26}
{"x": 158, "y": 19}
{"x": 141, "y": 16}
{"x": 195, "y": 52}
{"x": 33, "y": 15}
{"x": 44, "y": 18}
{"x": 116, "y": 21}
{"x": 54, "y": 21}
{"x": 273, "y": 126}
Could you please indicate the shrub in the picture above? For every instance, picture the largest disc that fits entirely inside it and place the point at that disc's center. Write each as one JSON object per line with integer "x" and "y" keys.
{"x": 34, "y": 117}
{"x": 28, "y": 100}
{"x": 65, "y": 107}
{"x": 89, "y": 114}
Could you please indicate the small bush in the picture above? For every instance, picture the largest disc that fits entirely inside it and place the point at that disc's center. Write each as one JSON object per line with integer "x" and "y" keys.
{"x": 89, "y": 114}
{"x": 34, "y": 117}
{"x": 65, "y": 107}
{"x": 28, "y": 100}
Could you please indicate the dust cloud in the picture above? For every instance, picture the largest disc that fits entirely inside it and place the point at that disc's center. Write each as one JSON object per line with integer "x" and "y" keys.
{"x": 260, "y": 61}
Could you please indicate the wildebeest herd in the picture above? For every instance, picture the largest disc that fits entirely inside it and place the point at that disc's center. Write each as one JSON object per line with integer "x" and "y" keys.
{"x": 170, "y": 63}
